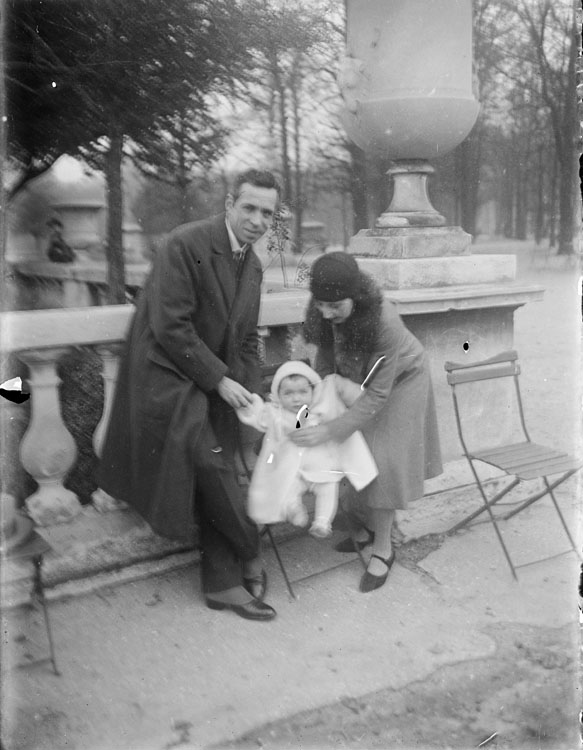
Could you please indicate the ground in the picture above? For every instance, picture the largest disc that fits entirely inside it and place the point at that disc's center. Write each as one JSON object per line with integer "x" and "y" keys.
{"x": 508, "y": 701}
{"x": 146, "y": 667}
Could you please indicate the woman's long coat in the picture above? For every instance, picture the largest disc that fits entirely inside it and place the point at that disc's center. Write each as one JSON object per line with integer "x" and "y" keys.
{"x": 396, "y": 412}
{"x": 192, "y": 326}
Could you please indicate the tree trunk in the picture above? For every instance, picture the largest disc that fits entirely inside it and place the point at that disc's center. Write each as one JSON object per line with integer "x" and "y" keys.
{"x": 456, "y": 157}
{"x": 357, "y": 179}
{"x": 567, "y": 175}
{"x": 114, "y": 253}
{"x": 298, "y": 197}
{"x": 182, "y": 176}
{"x": 469, "y": 180}
{"x": 553, "y": 207}
{"x": 567, "y": 152}
{"x": 284, "y": 136}
{"x": 508, "y": 192}
{"x": 345, "y": 230}
{"x": 520, "y": 186}
{"x": 539, "y": 219}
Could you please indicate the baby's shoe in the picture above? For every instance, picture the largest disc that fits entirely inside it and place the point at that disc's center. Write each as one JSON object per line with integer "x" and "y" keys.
{"x": 298, "y": 515}
{"x": 320, "y": 529}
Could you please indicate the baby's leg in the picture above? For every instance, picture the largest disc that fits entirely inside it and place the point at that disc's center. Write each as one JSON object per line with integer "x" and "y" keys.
{"x": 296, "y": 512}
{"x": 326, "y": 505}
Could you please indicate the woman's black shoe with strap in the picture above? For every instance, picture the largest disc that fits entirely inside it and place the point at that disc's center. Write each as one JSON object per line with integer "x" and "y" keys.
{"x": 369, "y": 582}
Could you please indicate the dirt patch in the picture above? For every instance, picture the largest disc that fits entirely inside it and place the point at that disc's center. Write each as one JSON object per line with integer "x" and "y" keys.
{"x": 524, "y": 697}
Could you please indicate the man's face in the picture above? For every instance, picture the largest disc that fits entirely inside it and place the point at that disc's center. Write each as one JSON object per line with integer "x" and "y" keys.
{"x": 250, "y": 216}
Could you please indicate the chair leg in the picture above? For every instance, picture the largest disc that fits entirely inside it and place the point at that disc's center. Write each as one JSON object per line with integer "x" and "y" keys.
{"x": 556, "y": 504}
{"x": 280, "y": 561}
{"x": 39, "y": 592}
{"x": 488, "y": 506}
{"x": 500, "y": 539}
{"x": 533, "y": 498}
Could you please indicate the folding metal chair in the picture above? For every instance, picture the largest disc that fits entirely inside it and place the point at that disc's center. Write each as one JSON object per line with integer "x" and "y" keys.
{"x": 522, "y": 460}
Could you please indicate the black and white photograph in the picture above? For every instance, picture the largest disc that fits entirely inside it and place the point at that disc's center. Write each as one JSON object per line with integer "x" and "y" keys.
{"x": 290, "y": 375}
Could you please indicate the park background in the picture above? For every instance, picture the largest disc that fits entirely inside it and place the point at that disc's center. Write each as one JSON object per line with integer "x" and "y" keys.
{"x": 164, "y": 105}
{"x": 148, "y": 109}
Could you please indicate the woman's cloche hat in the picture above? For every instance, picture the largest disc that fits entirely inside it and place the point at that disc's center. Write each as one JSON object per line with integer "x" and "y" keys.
{"x": 334, "y": 276}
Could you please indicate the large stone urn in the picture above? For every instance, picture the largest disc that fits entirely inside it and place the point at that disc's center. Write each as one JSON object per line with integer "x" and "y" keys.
{"x": 407, "y": 87}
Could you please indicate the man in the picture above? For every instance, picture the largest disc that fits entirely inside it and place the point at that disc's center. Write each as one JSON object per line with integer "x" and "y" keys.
{"x": 191, "y": 358}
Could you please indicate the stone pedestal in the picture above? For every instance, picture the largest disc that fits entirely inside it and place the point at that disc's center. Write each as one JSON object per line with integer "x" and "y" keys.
{"x": 411, "y": 242}
{"x": 460, "y": 306}
{"x": 412, "y": 273}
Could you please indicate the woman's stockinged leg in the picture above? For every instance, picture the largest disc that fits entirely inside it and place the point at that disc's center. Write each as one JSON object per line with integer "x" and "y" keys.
{"x": 381, "y": 520}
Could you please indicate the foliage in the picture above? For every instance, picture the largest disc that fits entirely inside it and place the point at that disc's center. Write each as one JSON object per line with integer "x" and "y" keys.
{"x": 524, "y": 62}
{"x": 75, "y": 68}
{"x": 102, "y": 79}
{"x": 293, "y": 67}
{"x": 82, "y": 405}
{"x": 155, "y": 82}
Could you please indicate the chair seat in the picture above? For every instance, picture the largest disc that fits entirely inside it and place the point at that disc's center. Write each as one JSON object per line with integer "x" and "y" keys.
{"x": 528, "y": 460}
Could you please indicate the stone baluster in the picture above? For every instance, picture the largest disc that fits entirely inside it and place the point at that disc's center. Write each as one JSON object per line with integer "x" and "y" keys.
{"x": 48, "y": 450}
{"x": 110, "y": 358}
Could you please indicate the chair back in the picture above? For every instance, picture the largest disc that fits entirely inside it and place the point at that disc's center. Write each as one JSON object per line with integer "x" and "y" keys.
{"x": 502, "y": 365}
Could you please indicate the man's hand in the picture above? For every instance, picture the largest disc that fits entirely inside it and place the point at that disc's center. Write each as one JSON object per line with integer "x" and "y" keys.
{"x": 308, "y": 437}
{"x": 233, "y": 393}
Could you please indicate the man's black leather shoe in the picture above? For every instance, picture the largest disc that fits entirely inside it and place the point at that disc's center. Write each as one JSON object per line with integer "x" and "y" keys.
{"x": 256, "y": 586}
{"x": 253, "y": 610}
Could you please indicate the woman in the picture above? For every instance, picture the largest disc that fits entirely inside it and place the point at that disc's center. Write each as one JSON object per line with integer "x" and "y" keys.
{"x": 353, "y": 328}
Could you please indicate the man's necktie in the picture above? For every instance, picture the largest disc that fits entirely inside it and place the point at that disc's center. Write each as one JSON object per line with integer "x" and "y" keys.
{"x": 239, "y": 257}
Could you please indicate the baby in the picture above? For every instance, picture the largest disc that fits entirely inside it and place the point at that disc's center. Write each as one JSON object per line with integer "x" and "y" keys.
{"x": 284, "y": 471}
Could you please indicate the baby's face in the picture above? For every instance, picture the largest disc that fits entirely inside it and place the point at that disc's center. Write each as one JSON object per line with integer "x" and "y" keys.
{"x": 294, "y": 392}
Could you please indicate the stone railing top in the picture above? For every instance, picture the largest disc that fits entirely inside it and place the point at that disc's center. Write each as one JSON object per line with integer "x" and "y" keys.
{"x": 82, "y": 269}
{"x": 86, "y": 326}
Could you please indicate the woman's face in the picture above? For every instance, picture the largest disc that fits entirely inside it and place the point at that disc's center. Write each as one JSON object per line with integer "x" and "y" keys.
{"x": 336, "y": 312}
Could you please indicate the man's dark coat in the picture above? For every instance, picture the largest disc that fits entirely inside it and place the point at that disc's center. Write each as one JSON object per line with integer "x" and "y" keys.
{"x": 193, "y": 325}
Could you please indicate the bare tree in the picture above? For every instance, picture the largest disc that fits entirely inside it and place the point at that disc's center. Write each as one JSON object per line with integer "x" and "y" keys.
{"x": 550, "y": 50}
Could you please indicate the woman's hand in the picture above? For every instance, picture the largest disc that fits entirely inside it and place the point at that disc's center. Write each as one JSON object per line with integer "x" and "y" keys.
{"x": 308, "y": 437}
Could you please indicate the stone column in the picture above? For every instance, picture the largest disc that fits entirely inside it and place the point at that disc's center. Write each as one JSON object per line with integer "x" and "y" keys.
{"x": 48, "y": 450}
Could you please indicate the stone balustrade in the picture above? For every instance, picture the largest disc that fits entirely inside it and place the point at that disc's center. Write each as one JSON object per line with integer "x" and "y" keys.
{"x": 40, "y": 337}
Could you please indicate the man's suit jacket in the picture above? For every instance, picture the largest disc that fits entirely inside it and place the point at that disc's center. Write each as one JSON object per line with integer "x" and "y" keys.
{"x": 193, "y": 325}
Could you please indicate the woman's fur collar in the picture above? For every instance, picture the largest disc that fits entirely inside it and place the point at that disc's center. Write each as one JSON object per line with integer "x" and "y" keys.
{"x": 359, "y": 332}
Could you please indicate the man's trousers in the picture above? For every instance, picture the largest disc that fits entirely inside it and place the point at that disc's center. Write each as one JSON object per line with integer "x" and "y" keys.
{"x": 227, "y": 536}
